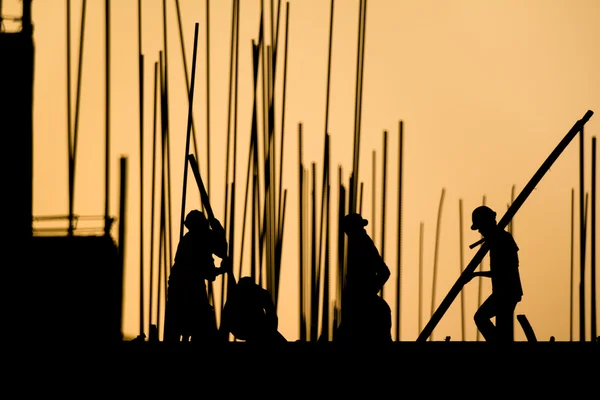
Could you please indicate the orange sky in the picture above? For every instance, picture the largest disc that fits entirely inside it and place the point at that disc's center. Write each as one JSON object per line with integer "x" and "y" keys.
{"x": 486, "y": 90}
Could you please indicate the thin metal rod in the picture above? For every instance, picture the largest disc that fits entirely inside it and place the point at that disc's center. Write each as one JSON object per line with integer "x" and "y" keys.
{"x": 141, "y": 115}
{"x": 373, "y": 196}
{"x": 436, "y": 251}
{"x": 281, "y": 216}
{"x": 251, "y": 151}
{"x": 122, "y": 225}
{"x": 360, "y": 198}
{"x": 593, "y": 244}
{"x": 314, "y": 311}
{"x": 107, "y": 117}
{"x": 324, "y": 195}
{"x": 340, "y": 244}
{"x": 301, "y": 234}
{"x": 208, "y": 97}
{"x": 229, "y": 107}
{"x": 358, "y": 109}
{"x": 141, "y": 103}
{"x": 227, "y": 147}
{"x": 153, "y": 191}
{"x": 328, "y": 68}
{"x": 572, "y": 264}
{"x": 69, "y": 134}
{"x": 324, "y": 203}
{"x": 161, "y": 259}
{"x": 383, "y": 198}
{"x": 280, "y": 242}
{"x": 480, "y": 284}
{"x": 581, "y": 239}
{"x": 77, "y": 102}
{"x": 420, "y": 303}
{"x": 275, "y": 41}
{"x": 461, "y": 267}
{"x": 399, "y": 233}
{"x": 326, "y": 302}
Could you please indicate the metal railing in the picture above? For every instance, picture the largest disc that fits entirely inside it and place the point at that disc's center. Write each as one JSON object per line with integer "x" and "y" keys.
{"x": 77, "y": 224}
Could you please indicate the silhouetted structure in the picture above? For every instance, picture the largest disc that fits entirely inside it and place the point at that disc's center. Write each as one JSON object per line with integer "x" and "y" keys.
{"x": 504, "y": 273}
{"x": 189, "y": 313}
{"x": 366, "y": 317}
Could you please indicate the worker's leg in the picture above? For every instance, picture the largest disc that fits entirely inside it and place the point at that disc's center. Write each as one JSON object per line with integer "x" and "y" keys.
{"x": 483, "y": 319}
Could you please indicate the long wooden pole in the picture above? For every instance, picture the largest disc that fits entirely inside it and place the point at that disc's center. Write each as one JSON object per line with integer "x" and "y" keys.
{"x": 188, "y": 131}
{"x": 512, "y": 210}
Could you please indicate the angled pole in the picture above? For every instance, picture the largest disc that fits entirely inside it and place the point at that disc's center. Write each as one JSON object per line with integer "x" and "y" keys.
{"x": 189, "y": 129}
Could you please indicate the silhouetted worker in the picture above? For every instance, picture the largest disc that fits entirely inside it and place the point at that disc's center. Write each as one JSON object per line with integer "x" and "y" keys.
{"x": 506, "y": 281}
{"x": 189, "y": 313}
{"x": 250, "y": 314}
{"x": 366, "y": 317}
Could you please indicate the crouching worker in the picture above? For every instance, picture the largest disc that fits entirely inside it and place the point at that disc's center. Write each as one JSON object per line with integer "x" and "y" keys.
{"x": 250, "y": 314}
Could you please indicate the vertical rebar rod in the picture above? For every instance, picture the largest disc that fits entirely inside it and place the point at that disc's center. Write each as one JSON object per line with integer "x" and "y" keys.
{"x": 593, "y": 244}
{"x": 75, "y": 134}
{"x": 313, "y": 257}
{"x": 141, "y": 115}
{"x": 107, "y": 222}
{"x": 69, "y": 133}
{"x": 581, "y": 240}
{"x": 153, "y": 190}
{"x": 301, "y": 234}
{"x": 480, "y": 285}
{"x": 208, "y": 97}
{"x": 461, "y": 266}
{"x": 227, "y": 226}
{"x": 420, "y": 302}
{"x": 399, "y": 232}
{"x": 357, "y": 107}
{"x": 328, "y": 68}
{"x": 572, "y": 264}
{"x": 383, "y": 197}
{"x": 122, "y": 226}
{"x": 436, "y": 251}
{"x": 374, "y": 197}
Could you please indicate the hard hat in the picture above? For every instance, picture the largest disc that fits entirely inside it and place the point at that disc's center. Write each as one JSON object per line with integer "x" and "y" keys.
{"x": 354, "y": 220}
{"x": 481, "y": 214}
{"x": 195, "y": 219}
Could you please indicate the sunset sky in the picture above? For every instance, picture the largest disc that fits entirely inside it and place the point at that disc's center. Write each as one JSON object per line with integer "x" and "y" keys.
{"x": 485, "y": 90}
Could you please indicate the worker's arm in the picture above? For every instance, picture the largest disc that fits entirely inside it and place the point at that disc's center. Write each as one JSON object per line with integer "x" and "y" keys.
{"x": 219, "y": 241}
